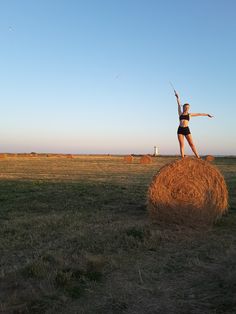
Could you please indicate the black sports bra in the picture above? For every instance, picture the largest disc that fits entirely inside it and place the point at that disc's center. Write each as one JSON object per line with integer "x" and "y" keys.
{"x": 184, "y": 117}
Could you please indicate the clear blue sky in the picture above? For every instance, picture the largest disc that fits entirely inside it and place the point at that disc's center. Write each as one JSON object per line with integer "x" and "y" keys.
{"x": 92, "y": 76}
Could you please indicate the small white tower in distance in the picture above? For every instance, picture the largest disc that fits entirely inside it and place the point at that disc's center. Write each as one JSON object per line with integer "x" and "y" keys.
{"x": 156, "y": 151}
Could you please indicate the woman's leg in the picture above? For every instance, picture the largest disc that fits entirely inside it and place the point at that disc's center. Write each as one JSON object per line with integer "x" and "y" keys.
{"x": 190, "y": 141}
{"x": 181, "y": 144}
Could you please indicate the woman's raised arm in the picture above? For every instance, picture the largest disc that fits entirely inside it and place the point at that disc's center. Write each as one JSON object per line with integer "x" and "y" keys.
{"x": 201, "y": 115}
{"x": 178, "y": 102}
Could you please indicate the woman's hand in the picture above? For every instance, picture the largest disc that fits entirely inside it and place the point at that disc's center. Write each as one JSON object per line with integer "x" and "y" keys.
{"x": 210, "y": 116}
{"x": 176, "y": 95}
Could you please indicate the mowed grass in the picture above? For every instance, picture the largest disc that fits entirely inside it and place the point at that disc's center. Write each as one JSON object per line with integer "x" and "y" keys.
{"x": 75, "y": 237}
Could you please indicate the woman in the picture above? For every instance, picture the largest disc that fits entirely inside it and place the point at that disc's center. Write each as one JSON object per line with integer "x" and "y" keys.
{"x": 183, "y": 130}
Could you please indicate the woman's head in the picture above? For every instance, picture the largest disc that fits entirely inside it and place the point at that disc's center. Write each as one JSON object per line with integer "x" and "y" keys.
{"x": 186, "y": 107}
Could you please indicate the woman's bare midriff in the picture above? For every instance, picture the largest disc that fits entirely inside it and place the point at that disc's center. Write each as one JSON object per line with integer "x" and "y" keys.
{"x": 183, "y": 123}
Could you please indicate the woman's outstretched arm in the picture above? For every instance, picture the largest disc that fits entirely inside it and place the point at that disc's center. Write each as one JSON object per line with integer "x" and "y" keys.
{"x": 201, "y": 115}
{"x": 178, "y": 102}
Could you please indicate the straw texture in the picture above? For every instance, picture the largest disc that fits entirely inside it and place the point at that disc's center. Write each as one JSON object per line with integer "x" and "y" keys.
{"x": 188, "y": 191}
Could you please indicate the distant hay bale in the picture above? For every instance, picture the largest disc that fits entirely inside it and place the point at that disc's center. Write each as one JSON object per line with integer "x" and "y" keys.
{"x": 188, "y": 191}
{"x": 129, "y": 159}
{"x": 69, "y": 156}
{"x": 52, "y": 155}
{"x": 210, "y": 158}
{"x": 146, "y": 159}
{"x": 2, "y": 155}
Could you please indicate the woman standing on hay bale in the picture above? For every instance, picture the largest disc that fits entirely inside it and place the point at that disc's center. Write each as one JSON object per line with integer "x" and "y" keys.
{"x": 183, "y": 129}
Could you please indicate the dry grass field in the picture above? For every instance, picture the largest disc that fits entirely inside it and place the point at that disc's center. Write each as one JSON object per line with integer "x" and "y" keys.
{"x": 75, "y": 237}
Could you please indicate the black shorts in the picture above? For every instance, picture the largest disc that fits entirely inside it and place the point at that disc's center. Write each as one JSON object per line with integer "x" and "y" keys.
{"x": 183, "y": 130}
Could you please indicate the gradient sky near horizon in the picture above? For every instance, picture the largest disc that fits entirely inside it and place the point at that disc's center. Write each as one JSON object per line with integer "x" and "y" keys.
{"x": 92, "y": 76}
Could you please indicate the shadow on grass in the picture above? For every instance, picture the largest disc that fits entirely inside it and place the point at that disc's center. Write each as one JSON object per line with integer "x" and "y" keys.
{"x": 62, "y": 241}
{"x": 17, "y": 197}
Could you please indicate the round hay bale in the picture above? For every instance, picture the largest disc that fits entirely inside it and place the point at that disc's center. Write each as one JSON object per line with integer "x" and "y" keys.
{"x": 3, "y": 155}
{"x": 50, "y": 155}
{"x": 190, "y": 191}
{"x": 146, "y": 159}
{"x": 210, "y": 158}
{"x": 129, "y": 159}
{"x": 69, "y": 156}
